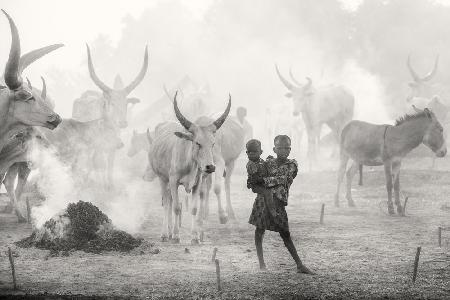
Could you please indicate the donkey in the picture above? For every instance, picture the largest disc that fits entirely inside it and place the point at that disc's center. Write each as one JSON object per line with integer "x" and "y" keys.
{"x": 375, "y": 145}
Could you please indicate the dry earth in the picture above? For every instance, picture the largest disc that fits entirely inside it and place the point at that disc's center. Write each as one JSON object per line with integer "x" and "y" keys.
{"x": 357, "y": 253}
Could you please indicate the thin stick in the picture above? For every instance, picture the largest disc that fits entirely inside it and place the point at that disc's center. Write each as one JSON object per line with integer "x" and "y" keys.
{"x": 219, "y": 287}
{"x": 322, "y": 211}
{"x": 28, "y": 210}
{"x": 13, "y": 270}
{"x": 214, "y": 254}
{"x": 440, "y": 236}
{"x": 416, "y": 264}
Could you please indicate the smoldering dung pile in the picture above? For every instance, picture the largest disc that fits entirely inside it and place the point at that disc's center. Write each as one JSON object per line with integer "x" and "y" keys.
{"x": 82, "y": 226}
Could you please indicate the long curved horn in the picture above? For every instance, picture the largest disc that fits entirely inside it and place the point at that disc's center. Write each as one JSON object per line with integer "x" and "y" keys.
{"x": 432, "y": 72}
{"x": 293, "y": 78}
{"x": 223, "y": 117}
{"x": 44, "y": 89}
{"x": 140, "y": 76}
{"x": 29, "y": 83}
{"x": 308, "y": 84}
{"x": 185, "y": 122}
{"x": 12, "y": 75}
{"x": 34, "y": 55}
{"x": 94, "y": 77}
{"x": 167, "y": 92}
{"x": 286, "y": 83}
{"x": 411, "y": 71}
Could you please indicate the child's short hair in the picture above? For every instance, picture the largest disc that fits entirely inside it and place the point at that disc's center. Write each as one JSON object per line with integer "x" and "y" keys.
{"x": 282, "y": 141}
{"x": 253, "y": 145}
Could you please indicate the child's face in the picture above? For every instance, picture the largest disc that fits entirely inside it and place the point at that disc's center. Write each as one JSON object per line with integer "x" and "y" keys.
{"x": 282, "y": 152}
{"x": 254, "y": 155}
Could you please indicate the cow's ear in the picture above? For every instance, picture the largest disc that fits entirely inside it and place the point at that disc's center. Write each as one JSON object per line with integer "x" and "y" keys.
{"x": 133, "y": 100}
{"x": 288, "y": 95}
{"x": 183, "y": 135}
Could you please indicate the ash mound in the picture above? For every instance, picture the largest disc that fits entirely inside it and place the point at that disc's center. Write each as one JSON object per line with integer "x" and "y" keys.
{"x": 82, "y": 226}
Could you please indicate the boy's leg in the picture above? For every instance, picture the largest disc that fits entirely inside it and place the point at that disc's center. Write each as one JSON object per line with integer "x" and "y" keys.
{"x": 259, "y": 234}
{"x": 301, "y": 268}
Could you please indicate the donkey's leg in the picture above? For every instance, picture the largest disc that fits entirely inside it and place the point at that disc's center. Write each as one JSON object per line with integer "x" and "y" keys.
{"x": 360, "y": 175}
{"x": 341, "y": 172}
{"x": 388, "y": 175}
{"x": 396, "y": 179}
{"x": 350, "y": 174}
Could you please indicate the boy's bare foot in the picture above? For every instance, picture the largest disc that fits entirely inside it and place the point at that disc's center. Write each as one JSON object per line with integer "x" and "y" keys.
{"x": 303, "y": 269}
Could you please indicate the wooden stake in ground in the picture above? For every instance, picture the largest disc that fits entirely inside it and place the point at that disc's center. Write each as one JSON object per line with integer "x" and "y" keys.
{"x": 416, "y": 264}
{"x": 322, "y": 211}
{"x": 219, "y": 287}
{"x": 11, "y": 260}
{"x": 27, "y": 201}
{"x": 440, "y": 236}
{"x": 214, "y": 254}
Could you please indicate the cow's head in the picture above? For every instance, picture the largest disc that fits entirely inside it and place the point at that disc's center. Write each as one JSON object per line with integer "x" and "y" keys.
{"x": 202, "y": 137}
{"x": 420, "y": 86}
{"x": 139, "y": 142}
{"x": 117, "y": 99}
{"x": 20, "y": 104}
{"x": 301, "y": 94}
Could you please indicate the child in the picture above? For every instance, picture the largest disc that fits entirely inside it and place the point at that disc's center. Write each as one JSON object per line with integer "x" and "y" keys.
{"x": 256, "y": 171}
{"x": 280, "y": 173}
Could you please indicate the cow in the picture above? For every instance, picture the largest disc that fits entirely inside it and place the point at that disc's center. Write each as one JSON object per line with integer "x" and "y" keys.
{"x": 184, "y": 156}
{"x": 20, "y": 106}
{"x": 114, "y": 101}
{"x": 332, "y": 105}
{"x": 140, "y": 142}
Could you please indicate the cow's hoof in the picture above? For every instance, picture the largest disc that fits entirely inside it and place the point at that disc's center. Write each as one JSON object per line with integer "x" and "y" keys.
{"x": 351, "y": 203}
{"x": 176, "y": 240}
{"x": 400, "y": 211}
{"x": 164, "y": 238}
{"x": 195, "y": 241}
{"x": 223, "y": 219}
{"x": 391, "y": 211}
{"x": 336, "y": 201}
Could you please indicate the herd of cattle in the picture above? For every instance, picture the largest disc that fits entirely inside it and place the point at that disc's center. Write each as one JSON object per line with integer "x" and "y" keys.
{"x": 196, "y": 153}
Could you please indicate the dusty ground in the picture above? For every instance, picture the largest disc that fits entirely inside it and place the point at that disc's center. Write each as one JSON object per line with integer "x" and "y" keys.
{"x": 357, "y": 253}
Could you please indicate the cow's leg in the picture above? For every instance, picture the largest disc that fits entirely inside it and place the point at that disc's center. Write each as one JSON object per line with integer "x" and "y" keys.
{"x": 388, "y": 175}
{"x": 195, "y": 212}
{"x": 9, "y": 181}
{"x": 22, "y": 178}
{"x": 165, "y": 203}
{"x": 396, "y": 179}
{"x": 220, "y": 168}
{"x": 311, "y": 150}
{"x": 342, "y": 167}
{"x": 208, "y": 183}
{"x": 350, "y": 174}
{"x": 228, "y": 171}
{"x": 9, "y": 207}
{"x": 176, "y": 208}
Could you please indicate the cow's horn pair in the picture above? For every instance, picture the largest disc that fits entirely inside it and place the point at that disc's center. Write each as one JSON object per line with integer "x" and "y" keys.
{"x": 187, "y": 124}
{"x": 427, "y": 77}
{"x": 289, "y": 85}
{"x": 127, "y": 89}
{"x": 16, "y": 64}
